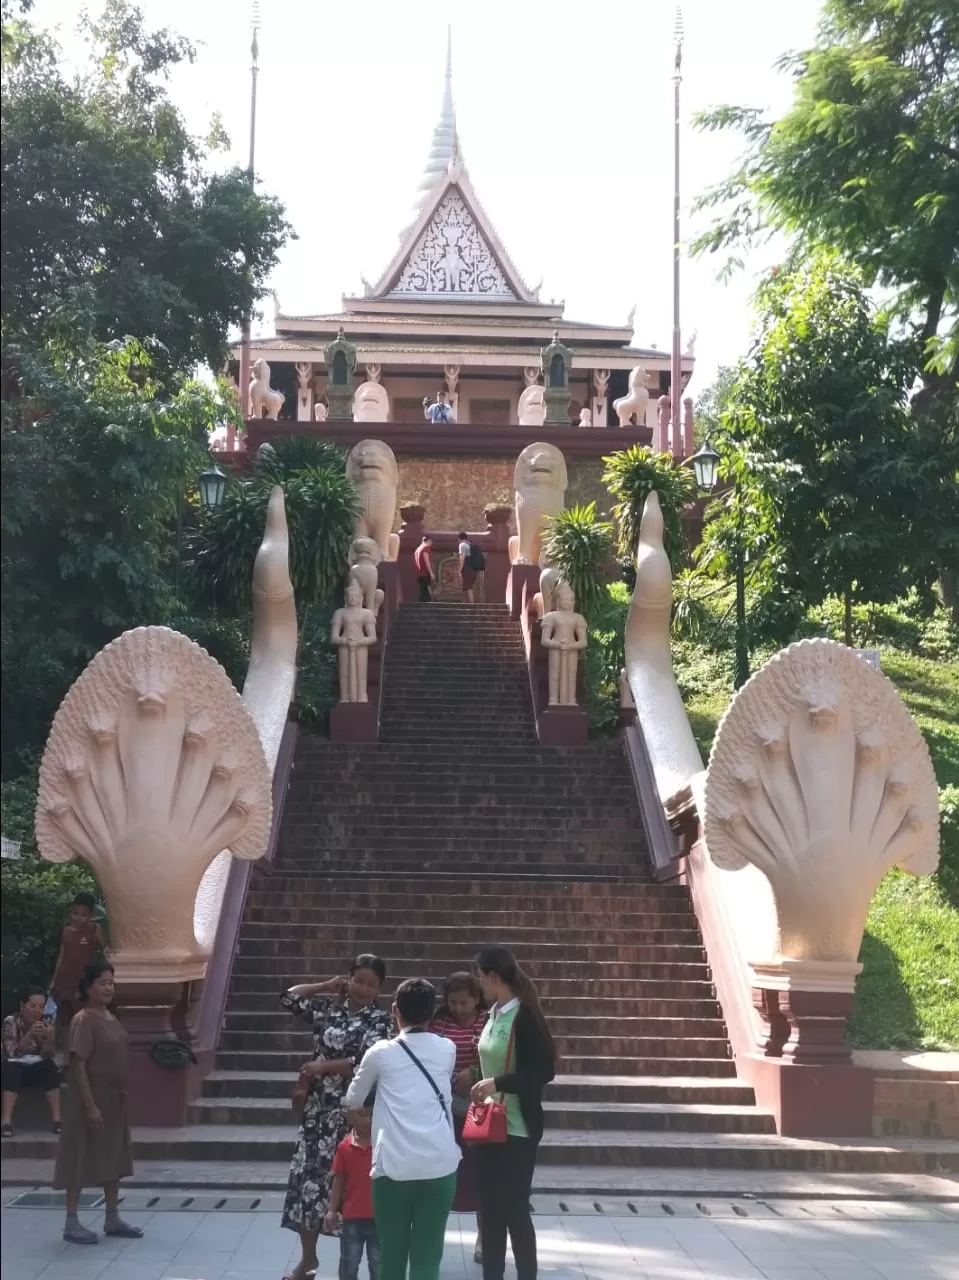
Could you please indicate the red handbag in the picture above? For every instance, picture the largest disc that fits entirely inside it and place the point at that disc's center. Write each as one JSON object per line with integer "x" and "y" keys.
{"x": 486, "y": 1121}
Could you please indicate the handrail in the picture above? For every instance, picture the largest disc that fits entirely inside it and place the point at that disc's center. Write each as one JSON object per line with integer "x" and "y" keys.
{"x": 206, "y": 1022}
{"x": 664, "y": 851}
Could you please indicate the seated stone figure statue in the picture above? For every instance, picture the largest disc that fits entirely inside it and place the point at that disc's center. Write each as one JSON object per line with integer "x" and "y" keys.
{"x": 563, "y": 633}
{"x": 353, "y": 633}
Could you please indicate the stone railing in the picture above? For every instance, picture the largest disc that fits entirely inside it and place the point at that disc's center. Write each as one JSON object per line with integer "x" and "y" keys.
{"x": 818, "y": 783}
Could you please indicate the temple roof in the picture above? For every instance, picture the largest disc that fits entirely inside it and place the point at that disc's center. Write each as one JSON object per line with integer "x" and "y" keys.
{"x": 446, "y": 143}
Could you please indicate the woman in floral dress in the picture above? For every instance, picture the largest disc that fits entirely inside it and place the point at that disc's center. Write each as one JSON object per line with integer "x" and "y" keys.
{"x": 346, "y": 1021}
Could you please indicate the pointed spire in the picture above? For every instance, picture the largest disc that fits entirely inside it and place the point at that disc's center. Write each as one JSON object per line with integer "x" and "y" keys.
{"x": 446, "y": 144}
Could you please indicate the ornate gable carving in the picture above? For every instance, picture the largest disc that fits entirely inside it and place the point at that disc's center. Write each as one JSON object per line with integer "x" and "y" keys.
{"x": 452, "y": 258}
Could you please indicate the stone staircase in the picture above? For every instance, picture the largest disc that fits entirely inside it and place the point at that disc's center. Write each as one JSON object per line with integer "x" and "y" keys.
{"x": 458, "y": 829}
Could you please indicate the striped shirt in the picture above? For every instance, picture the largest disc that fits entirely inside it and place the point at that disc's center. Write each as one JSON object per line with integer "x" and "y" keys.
{"x": 465, "y": 1039}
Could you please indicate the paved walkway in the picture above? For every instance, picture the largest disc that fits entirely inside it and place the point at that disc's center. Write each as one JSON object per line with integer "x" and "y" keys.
{"x": 775, "y": 1240}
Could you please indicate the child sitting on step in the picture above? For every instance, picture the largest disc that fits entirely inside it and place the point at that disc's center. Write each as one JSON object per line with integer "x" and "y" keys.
{"x": 461, "y": 1018}
{"x": 351, "y": 1199}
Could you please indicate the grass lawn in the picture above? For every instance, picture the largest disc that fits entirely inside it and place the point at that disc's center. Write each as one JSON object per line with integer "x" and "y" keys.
{"x": 908, "y": 994}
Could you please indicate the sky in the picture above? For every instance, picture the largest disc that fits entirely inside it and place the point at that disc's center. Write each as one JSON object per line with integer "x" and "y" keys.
{"x": 565, "y": 125}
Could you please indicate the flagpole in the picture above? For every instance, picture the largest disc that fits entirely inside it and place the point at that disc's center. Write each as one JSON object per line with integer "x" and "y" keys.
{"x": 245, "y": 334}
{"x": 675, "y": 370}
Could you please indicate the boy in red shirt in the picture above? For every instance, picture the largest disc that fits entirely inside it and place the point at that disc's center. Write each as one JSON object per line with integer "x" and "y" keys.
{"x": 351, "y": 1199}
{"x": 80, "y": 942}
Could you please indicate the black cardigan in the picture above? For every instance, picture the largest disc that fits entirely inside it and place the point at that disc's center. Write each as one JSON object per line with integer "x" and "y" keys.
{"x": 534, "y": 1066}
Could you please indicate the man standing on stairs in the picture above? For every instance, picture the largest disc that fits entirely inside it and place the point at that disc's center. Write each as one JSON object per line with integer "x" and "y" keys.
{"x": 472, "y": 564}
{"x": 425, "y": 576}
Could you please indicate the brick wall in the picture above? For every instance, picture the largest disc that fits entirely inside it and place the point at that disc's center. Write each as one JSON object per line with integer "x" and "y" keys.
{"x": 454, "y": 491}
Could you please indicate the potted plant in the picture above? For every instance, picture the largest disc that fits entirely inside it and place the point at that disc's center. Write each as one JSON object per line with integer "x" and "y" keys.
{"x": 499, "y": 509}
{"x": 412, "y": 509}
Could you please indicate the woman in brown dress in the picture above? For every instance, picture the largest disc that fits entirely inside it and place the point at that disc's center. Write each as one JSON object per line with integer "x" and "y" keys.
{"x": 94, "y": 1148}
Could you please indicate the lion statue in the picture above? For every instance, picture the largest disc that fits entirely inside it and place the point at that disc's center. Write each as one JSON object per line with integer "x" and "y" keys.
{"x": 532, "y": 406}
{"x": 262, "y": 395}
{"x": 371, "y": 466}
{"x": 634, "y": 404}
{"x": 540, "y": 483}
{"x": 371, "y": 403}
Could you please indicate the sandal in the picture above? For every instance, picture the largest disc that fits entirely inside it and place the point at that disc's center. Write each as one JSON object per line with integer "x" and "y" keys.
{"x": 79, "y": 1234}
{"x": 6, "y": 1131}
{"x": 124, "y": 1231}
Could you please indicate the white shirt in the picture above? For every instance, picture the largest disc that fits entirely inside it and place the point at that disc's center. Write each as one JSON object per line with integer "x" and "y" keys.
{"x": 465, "y": 550}
{"x": 412, "y": 1134}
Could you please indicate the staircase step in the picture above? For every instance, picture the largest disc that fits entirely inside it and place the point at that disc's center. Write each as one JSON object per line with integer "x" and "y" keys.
{"x": 244, "y": 1060}
{"x": 252, "y": 1144}
{"x": 630, "y": 992}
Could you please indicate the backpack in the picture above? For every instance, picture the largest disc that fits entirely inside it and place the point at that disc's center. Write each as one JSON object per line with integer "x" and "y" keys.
{"x": 476, "y": 560}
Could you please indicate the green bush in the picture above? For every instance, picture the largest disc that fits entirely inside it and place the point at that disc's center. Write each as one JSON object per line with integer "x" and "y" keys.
{"x": 581, "y": 547}
{"x": 631, "y": 475}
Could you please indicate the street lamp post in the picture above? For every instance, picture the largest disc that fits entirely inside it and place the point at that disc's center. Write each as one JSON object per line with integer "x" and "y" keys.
{"x": 706, "y": 467}
{"x": 212, "y": 485}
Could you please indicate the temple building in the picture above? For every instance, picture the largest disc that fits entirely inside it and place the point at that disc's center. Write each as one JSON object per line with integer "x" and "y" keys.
{"x": 452, "y": 312}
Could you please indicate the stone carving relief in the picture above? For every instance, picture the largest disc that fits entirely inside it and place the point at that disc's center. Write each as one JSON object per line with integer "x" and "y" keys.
{"x": 549, "y": 579}
{"x": 152, "y": 768}
{"x": 600, "y": 382}
{"x": 532, "y": 406}
{"x": 371, "y": 465}
{"x": 320, "y": 411}
{"x": 531, "y": 375}
{"x": 564, "y": 634}
{"x": 585, "y": 417}
{"x": 539, "y": 480}
{"x": 364, "y": 557}
{"x": 452, "y": 257}
{"x": 821, "y": 779}
{"x": 451, "y": 375}
{"x": 264, "y": 401}
{"x": 352, "y": 634}
{"x": 632, "y": 407}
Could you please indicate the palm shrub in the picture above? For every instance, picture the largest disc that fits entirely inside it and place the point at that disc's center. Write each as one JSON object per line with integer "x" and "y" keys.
{"x": 631, "y": 475}
{"x": 321, "y": 506}
{"x": 581, "y": 547}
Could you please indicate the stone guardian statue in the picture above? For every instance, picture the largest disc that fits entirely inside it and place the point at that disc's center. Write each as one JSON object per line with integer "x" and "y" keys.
{"x": 353, "y": 633}
{"x": 564, "y": 634}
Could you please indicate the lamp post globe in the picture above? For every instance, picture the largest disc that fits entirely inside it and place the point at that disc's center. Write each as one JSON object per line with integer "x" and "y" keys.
{"x": 706, "y": 467}
{"x": 212, "y": 485}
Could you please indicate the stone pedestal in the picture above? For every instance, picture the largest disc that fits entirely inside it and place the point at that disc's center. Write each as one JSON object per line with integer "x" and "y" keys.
{"x": 357, "y": 721}
{"x": 562, "y": 727}
{"x": 805, "y": 1074}
{"x": 156, "y": 1095}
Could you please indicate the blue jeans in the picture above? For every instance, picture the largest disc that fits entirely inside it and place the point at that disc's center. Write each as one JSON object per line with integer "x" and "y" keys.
{"x": 355, "y": 1235}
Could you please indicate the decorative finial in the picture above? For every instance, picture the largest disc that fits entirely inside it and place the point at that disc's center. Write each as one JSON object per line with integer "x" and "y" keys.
{"x": 678, "y": 32}
{"x": 631, "y": 317}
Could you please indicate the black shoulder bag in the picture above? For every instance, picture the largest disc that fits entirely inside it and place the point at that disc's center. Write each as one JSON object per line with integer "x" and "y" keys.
{"x": 439, "y": 1097}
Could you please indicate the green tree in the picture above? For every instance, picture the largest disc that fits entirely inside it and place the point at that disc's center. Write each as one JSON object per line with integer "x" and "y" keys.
{"x": 94, "y": 465}
{"x": 819, "y": 442}
{"x": 866, "y": 161}
{"x": 712, "y": 403}
{"x": 110, "y": 219}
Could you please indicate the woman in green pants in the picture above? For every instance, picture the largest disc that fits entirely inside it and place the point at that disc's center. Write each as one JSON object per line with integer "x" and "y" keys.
{"x": 415, "y": 1156}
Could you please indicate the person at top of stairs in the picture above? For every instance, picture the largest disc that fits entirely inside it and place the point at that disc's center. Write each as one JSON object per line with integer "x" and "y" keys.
{"x": 518, "y": 1060}
{"x": 425, "y": 575}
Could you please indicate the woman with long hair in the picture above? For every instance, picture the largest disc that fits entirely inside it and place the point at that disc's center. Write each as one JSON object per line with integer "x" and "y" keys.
{"x": 346, "y": 1021}
{"x": 94, "y": 1149}
{"x": 517, "y": 1061}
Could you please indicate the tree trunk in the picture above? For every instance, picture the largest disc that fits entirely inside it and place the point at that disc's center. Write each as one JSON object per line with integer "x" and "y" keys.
{"x": 847, "y": 618}
{"x": 949, "y": 588}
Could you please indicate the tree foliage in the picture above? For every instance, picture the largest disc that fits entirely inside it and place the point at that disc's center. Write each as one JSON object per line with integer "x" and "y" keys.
{"x": 94, "y": 465}
{"x": 866, "y": 161}
{"x": 831, "y": 479}
{"x": 110, "y": 219}
{"x": 631, "y": 475}
{"x": 581, "y": 547}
